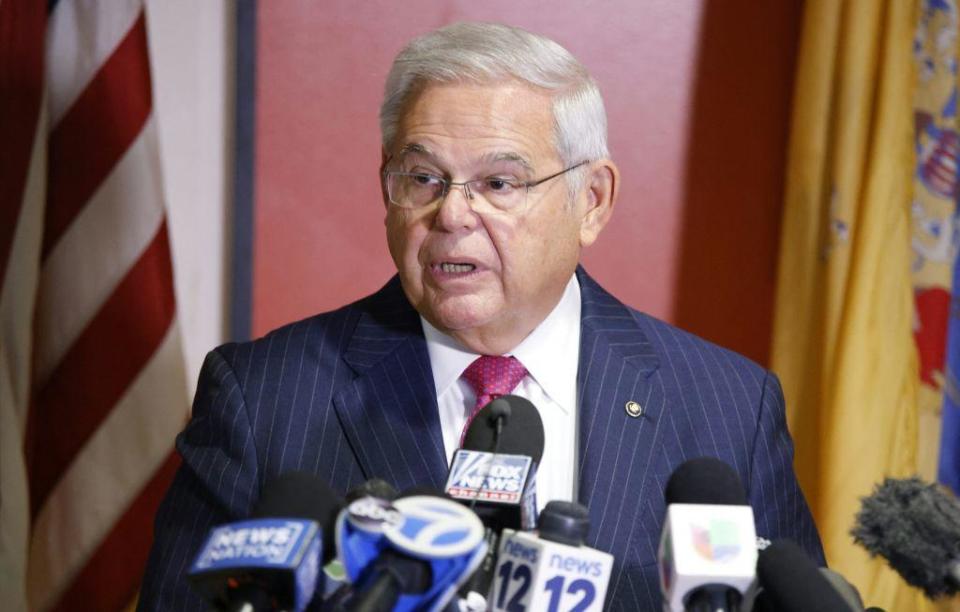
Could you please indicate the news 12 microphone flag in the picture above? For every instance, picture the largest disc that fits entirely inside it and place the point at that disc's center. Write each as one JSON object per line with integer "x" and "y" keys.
{"x": 92, "y": 388}
{"x": 867, "y": 260}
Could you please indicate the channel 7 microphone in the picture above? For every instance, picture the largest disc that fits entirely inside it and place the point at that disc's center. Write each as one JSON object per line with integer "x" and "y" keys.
{"x": 915, "y": 526}
{"x": 708, "y": 547}
{"x": 271, "y": 561}
{"x": 409, "y": 554}
{"x": 552, "y": 569}
{"x": 495, "y": 474}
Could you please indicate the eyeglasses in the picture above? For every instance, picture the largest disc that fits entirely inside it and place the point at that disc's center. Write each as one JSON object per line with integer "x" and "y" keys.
{"x": 418, "y": 189}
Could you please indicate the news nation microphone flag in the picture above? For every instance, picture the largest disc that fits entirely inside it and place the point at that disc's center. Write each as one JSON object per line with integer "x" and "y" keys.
{"x": 868, "y": 244}
{"x": 92, "y": 388}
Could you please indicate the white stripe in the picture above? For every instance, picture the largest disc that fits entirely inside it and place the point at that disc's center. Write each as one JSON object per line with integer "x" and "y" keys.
{"x": 108, "y": 473}
{"x": 81, "y": 36}
{"x": 16, "y": 311}
{"x": 98, "y": 249}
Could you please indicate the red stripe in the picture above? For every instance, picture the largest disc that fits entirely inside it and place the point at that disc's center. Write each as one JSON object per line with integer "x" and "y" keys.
{"x": 96, "y": 132}
{"x": 99, "y": 367}
{"x": 111, "y": 577}
{"x": 22, "y": 27}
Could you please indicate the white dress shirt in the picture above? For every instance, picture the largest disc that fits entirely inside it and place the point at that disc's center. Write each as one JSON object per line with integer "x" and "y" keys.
{"x": 551, "y": 354}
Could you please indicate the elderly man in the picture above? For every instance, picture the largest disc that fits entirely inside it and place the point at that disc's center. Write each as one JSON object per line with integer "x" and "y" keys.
{"x": 495, "y": 175}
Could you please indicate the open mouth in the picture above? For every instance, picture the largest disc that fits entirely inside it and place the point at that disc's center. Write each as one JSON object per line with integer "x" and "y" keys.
{"x": 456, "y": 268}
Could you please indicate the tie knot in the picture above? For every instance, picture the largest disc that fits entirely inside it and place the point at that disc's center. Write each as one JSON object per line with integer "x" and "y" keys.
{"x": 491, "y": 376}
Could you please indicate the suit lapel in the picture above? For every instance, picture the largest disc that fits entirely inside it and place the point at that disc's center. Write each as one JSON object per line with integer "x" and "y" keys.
{"x": 616, "y": 449}
{"x": 389, "y": 411}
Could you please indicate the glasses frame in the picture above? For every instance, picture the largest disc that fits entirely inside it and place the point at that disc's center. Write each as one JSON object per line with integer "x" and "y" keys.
{"x": 467, "y": 192}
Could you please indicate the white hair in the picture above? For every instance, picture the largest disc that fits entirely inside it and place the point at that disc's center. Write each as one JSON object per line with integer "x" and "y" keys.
{"x": 489, "y": 52}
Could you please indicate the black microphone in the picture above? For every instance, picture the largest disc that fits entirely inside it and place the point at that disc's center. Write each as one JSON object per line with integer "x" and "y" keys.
{"x": 915, "y": 526}
{"x": 708, "y": 547}
{"x": 495, "y": 474}
{"x": 272, "y": 561}
{"x": 375, "y": 487}
{"x": 792, "y": 582}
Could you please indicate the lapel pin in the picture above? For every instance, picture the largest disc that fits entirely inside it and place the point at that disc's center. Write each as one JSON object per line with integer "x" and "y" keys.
{"x": 634, "y": 409}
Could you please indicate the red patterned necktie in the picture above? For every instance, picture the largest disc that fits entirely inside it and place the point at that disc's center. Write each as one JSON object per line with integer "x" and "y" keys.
{"x": 490, "y": 377}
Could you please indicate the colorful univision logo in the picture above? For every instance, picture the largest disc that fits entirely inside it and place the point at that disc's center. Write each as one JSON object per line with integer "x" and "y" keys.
{"x": 719, "y": 541}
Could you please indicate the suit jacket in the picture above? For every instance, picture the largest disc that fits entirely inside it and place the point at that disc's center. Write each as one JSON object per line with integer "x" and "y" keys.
{"x": 349, "y": 395}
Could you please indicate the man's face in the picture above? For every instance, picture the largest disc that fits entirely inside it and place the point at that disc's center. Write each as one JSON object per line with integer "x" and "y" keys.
{"x": 487, "y": 277}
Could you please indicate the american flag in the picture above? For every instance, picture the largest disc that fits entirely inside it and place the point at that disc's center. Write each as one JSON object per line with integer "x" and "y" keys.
{"x": 92, "y": 388}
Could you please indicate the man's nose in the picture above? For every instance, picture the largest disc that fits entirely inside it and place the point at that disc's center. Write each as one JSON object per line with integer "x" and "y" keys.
{"x": 456, "y": 209}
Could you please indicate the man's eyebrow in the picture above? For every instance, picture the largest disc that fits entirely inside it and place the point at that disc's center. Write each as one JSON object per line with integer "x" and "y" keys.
{"x": 414, "y": 147}
{"x": 510, "y": 157}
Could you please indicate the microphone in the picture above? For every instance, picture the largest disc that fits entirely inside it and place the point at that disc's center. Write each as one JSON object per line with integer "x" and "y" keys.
{"x": 708, "y": 548}
{"x": 792, "y": 582}
{"x": 336, "y": 589}
{"x": 915, "y": 526}
{"x": 409, "y": 554}
{"x": 495, "y": 469}
{"x": 272, "y": 561}
{"x": 500, "y": 486}
{"x": 552, "y": 570}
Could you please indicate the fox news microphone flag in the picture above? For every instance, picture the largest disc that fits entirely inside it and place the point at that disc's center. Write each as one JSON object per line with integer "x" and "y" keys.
{"x": 92, "y": 389}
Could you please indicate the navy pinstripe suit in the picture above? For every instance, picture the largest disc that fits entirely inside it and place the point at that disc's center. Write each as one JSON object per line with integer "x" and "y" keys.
{"x": 349, "y": 395}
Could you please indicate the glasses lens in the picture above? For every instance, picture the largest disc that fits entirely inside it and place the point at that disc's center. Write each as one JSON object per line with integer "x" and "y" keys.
{"x": 413, "y": 190}
{"x": 500, "y": 193}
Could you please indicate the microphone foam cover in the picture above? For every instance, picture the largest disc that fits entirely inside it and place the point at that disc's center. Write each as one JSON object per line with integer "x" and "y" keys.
{"x": 915, "y": 526}
{"x": 792, "y": 582}
{"x": 301, "y": 495}
{"x": 705, "y": 480}
{"x": 522, "y": 433}
{"x": 564, "y": 522}
{"x": 375, "y": 487}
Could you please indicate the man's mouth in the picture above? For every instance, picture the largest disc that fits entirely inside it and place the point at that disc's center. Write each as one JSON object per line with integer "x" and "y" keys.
{"x": 456, "y": 268}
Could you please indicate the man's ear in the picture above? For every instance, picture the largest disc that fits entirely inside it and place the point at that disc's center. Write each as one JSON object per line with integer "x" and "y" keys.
{"x": 602, "y": 185}
{"x": 384, "y": 160}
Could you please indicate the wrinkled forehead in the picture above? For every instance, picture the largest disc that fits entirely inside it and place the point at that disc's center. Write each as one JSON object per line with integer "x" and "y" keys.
{"x": 493, "y": 123}
{"x": 414, "y": 152}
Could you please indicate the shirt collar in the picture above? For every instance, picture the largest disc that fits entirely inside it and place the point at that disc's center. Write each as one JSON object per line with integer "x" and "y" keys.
{"x": 551, "y": 353}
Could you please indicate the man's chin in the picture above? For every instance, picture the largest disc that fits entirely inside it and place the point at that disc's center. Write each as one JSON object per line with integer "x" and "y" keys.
{"x": 457, "y": 315}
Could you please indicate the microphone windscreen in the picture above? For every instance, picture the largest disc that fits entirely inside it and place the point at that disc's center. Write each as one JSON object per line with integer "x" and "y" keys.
{"x": 522, "y": 433}
{"x": 375, "y": 487}
{"x": 792, "y": 582}
{"x": 915, "y": 526}
{"x": 843, "y": 587}
{"x": 705, "y": 480}
{"x": 301, "y": 495}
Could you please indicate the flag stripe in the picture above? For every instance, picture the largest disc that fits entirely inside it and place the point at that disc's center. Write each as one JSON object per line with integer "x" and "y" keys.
{"x": 81, "y": 36}
{"x": 22, "y": 24}
{"x": 107, "y": 474}
{"x": 95, "y": 253}
{"x": 76, "y": 168}
{"x": 100, "y": 366}
{"x": 105, "y": 584}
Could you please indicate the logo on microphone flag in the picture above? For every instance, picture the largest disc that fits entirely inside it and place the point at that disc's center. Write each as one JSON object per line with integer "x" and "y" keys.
{"x": 487, "y": 477}
{"x": 718, "y": 541}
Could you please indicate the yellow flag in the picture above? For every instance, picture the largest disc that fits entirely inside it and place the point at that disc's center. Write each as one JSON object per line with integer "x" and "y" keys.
{"x": 843, "y": 343}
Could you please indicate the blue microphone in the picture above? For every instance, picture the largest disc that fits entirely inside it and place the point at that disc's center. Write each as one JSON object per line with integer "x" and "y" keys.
{"x": 271, "y": 561}
{"x": 409, "y": 554}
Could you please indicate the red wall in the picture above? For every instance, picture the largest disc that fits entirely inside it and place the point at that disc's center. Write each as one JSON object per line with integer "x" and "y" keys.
{"x": 697, "y": 94}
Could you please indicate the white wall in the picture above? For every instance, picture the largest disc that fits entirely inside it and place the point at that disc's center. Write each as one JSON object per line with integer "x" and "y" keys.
{"x": 191, "y": 49}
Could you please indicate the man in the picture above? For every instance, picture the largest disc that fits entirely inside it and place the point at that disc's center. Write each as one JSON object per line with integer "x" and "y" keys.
{"x": 495, "y": 176}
